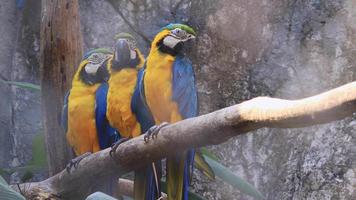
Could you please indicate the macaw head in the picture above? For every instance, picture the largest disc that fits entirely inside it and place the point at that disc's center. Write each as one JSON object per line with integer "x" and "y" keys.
{"x": 93, "y": 70}
{"x": 126, "y": 54}
{"x": 172, "y": 38}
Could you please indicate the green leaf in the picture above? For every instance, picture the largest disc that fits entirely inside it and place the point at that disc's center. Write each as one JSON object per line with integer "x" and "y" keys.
{"x": 4, "y": 172}
{"x": 203, "y": 166}
{"x": 26, "y": 176}
{"x": 23, "y": 85}
{"x": 229, "y": 177}
{"x": 38, "y": 161}
{"x": 208, "y": 153}
{"x": 39, "y": 158}
{"x": 7, "y": 193}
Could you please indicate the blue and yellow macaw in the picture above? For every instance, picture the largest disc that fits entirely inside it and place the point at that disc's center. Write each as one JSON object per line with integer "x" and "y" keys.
{"x": 86, "y": 127}
{"x": 123, "y": 67}
{"x": 168, "y": 86}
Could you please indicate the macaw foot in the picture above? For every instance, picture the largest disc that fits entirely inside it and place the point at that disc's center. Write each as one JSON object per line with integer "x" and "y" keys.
{"x": 75, "y": 161}
{"x": 116, "y": 145}
{"x": 163, "y": 196}
{"x": 153, "y": 131}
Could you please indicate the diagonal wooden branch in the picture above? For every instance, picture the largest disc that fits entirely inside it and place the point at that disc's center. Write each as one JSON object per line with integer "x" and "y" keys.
{"x": 213, "y": 128}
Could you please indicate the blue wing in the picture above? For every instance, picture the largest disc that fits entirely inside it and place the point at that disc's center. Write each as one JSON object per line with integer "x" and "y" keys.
{"x": 184, "y": 91}
{"x": 64, "y": 117}
{"x": 139, "y": 106}
{"x": 107, "y": 135}
{"x": 144, "y": 116}
{"x": 185, "y": 95}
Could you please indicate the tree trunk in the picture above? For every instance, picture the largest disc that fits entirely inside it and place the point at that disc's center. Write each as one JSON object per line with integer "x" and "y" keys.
{"x": 61, "y": 50}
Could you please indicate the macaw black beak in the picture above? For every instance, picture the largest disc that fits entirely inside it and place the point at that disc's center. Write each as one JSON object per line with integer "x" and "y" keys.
{"x": 189, "y": 43}
{"x": 102, "y": 74}
{"x": 190, "y": 37}
{"x": 122, "y": 51}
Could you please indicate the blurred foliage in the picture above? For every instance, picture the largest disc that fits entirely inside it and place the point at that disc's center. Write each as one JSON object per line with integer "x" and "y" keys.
{"x": 206, "y": 152}
{"x": 203, "y": 166}
{"x": 26, "y": 176}
{"x": 229, "y": 177}
{"x": 23, "y": 85}
{"x": 38, "y": 161}
{"x": 39, "y": 158}
{"x": 7, "y": 193}
{"x": 4, "y": 172}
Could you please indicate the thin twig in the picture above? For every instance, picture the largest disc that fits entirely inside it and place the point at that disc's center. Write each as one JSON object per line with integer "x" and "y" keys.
{"x": 175, "y": 8}
{"x": 132, "y": 27}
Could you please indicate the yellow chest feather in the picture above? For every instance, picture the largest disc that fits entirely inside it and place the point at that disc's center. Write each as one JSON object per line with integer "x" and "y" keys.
{"x": 82, "y": 133}
{"x": 158, "y": 88}
{"x": 120, "y": 116}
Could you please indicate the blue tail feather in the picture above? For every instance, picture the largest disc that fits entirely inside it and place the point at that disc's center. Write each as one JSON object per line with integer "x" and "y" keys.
{"x": 145, "y": 118}
{"x": 151, "y": 191}
{"x": 145, "y": 183}
{"x": 188, "y": 170}
{"x": 107, "y": 134}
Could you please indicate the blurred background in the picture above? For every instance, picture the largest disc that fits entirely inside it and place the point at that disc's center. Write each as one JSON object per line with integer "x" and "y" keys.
{"x": 287, "y": 49}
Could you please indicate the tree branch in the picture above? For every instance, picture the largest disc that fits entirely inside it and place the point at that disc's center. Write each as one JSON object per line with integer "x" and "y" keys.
{"x": 213, "y": 128}
{"x": 115, "y": 5}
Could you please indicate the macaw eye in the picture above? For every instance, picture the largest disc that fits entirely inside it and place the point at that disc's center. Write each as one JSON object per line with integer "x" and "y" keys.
{"x": 96, "y": 58}
{"x": 176, "y": 31}
{"x": 179, "y": 33}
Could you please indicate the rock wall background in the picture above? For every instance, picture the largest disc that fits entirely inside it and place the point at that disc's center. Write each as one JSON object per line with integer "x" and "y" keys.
{"x": 7, "y": 13}
{"x": 20, "y": 108}
{"x": 288, "y": 49}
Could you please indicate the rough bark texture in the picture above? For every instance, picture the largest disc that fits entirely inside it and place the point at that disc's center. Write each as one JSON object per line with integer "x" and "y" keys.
{"x": 61, "y": 50}
{"x": 209, "y": 129}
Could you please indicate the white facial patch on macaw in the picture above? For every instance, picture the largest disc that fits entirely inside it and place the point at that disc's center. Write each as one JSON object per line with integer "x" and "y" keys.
{"x": 177, "y": 35}
{"x": 91, "y": 68}
{"x": 171, "y": 41}
{"x": 132, "y": 54}
{"x": 94, "y": 62}
{"x": 116, "y": 55}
